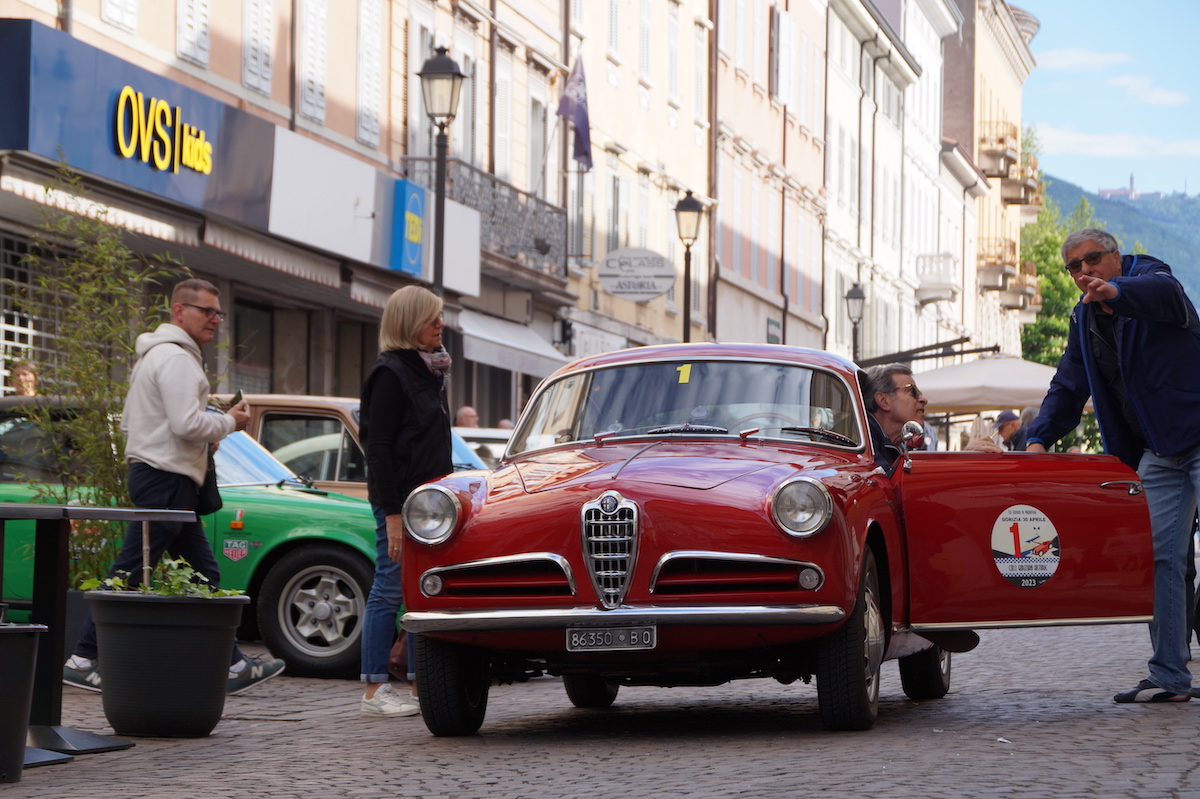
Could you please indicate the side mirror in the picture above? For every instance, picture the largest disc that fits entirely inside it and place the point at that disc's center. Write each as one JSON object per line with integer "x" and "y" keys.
{"x": 913, "y": 435}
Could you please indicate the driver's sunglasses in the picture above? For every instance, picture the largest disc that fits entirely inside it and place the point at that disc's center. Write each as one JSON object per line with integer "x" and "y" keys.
{"x": 912, "y": 389}
{"x": 1091, "y": 259}
{"x": 208, "y": 312}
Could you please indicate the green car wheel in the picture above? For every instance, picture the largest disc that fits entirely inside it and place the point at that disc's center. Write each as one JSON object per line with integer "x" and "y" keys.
{"x": 311, "y": 607}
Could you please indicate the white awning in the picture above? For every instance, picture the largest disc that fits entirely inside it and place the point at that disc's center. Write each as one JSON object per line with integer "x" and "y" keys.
{"x": 507, "y": 345}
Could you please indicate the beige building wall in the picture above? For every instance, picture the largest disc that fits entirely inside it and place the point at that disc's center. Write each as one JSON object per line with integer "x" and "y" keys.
{"x": 645, "y": 63}
{"x": 769, "y": 172}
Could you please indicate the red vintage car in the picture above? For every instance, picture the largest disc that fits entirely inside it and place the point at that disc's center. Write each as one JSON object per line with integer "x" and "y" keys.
{"x": 693, "y": 514}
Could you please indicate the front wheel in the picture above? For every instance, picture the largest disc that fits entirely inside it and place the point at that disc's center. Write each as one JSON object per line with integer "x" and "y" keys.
{"x": 926, "y": 675}
{"x": 848, "y": 663}
{"x": 311, "y": 607}
{"x": 590, "y": 690}
{"x": 454, "y": 682}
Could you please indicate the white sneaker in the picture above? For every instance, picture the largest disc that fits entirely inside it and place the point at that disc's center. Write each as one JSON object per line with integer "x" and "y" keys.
{"x": 388, "y": 702}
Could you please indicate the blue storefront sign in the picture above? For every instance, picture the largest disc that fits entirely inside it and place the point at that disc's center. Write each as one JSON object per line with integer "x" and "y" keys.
{"x": 408, "y": 222}
{"x": 66, "y": 100}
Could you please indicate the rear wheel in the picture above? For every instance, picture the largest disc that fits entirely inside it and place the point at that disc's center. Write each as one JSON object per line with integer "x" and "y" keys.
{"x": 849, "y": 661}
{"x": 454, "y": 682}
{"x": 590, "y": 690}
{"x": 310, "y": 609}
{"x": 926, "y": 675}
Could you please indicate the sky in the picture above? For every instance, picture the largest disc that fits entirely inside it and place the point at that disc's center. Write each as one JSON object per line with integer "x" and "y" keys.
{"x": 1116, "y": 91}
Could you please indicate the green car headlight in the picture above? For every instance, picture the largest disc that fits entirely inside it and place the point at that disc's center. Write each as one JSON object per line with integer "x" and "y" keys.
{"x": 431, "y": 514}
{"x": 802, "y": 506}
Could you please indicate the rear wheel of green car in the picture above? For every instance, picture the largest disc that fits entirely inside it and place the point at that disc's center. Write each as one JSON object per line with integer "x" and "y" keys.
{"x": 311, "y": 608}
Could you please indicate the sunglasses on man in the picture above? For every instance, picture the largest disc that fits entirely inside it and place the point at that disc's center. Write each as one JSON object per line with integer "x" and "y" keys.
{"x": 1091, "y": 259}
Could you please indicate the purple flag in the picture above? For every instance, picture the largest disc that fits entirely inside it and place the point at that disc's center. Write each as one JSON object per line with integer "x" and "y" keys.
{"x": 573, "y": 107}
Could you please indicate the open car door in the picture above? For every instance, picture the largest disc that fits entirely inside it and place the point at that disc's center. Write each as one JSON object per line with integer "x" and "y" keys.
{"x": 1025, "y": 539}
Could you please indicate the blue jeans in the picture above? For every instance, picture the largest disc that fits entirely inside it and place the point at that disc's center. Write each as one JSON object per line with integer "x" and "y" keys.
{"x": 1171, "y": 485}
{"x": 383, "y": 604}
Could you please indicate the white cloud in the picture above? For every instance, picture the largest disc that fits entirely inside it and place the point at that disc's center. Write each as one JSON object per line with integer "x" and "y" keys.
{"x": 1076, "y": 58}
{"x": 1064, "y": 141}
{"x": 1142, "y": 88}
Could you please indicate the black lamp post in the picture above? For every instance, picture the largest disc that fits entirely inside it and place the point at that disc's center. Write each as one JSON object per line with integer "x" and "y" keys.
{"x": 855, "y": 299}
{"x": 441, "y": 81}
{"x": 688, "y": 213}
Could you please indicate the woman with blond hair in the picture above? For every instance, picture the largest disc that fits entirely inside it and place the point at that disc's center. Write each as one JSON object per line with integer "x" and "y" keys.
{"x": 405, "y": 428}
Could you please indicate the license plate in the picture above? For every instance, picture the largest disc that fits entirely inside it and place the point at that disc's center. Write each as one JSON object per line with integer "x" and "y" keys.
{"x": 605, "y": 639}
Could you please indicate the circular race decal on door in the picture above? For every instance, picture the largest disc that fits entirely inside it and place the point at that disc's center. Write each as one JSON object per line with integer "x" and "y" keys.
{"x": 1025, "y": 546}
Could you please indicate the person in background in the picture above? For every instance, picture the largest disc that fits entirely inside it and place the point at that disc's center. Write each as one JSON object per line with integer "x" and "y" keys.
{"x": 405, "y": 429}
{"x": 1008, "y": 428}
{"x": 1133, "y": 347}
{"x": 24, "y": 378}
{"x": 466, "y": 417}
{"x": 1019, "y": 438}
{"x": 505, "y": 424}
{"x": 168, "y": 437}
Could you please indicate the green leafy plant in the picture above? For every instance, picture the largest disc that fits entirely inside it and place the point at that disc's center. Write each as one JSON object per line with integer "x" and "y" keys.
{"x": 171, "y": 577}
{"x": 90, "y": 296}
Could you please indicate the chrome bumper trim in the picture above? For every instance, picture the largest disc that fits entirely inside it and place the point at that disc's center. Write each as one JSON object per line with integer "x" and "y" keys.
{"x": 554, "y": 618}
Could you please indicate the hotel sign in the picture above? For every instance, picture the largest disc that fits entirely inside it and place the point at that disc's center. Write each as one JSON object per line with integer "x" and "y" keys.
{"x": 636, "y": 274}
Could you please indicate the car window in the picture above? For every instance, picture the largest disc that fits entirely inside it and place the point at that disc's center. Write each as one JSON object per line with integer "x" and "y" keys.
{"x": 26, "y": 452}
{"x": 719, "y": 397}
{"x": 314, "y": 446}
{"x": 241, "y": 461}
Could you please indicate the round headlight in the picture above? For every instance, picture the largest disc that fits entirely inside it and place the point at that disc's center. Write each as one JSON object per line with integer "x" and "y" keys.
{"x": 802, "y": 506}
{"x": 430, "y": 514}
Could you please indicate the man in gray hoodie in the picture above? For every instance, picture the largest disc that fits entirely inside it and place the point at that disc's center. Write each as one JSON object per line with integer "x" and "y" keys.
{"x": 168, "y": 437}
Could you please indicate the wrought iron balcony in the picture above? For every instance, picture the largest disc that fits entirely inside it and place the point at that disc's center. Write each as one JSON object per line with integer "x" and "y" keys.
{"x": 938, "y": 278}
{"x": 513, "y": 224}
{"x": 997, "y": 263}
{"x": 1024, "y": 289}
{"x": 1022, "y": 186}
{"x": 999, "y": 146}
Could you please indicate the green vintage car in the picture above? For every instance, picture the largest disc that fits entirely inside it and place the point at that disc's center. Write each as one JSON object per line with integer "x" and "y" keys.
{"x": 305, "y": 556}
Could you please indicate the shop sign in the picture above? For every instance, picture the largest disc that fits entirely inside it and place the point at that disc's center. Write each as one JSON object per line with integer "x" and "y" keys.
{"x": 408, "y": 228}
{"x": 148, "y": 129}
{"x": 635, "y": 274}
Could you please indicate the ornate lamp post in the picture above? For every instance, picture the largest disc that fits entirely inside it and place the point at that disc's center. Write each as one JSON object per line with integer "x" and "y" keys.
{"x": 441, "y": 81}
{"x": 688, "y": 213}
{"x": 855, "y": 299}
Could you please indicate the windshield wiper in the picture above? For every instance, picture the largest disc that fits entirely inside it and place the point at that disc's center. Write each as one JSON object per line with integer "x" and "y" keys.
{"x": 686, "y": 428}
{"x": 305, "y": 481}
{"x": 821, "y": 432}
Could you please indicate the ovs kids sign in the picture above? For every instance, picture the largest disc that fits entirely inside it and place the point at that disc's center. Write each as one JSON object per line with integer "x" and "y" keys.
{"x": 148, "y": 129}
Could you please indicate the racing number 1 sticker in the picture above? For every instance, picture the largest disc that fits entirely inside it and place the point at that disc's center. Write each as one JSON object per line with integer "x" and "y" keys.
{"x": 1025, "y": 546}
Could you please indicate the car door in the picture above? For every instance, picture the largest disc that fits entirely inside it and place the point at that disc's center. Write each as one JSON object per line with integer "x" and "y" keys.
{"x": 1024, "y": 539}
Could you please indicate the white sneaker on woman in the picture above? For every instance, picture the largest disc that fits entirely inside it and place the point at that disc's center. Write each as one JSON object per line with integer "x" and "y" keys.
{"x": 389, "y": 702}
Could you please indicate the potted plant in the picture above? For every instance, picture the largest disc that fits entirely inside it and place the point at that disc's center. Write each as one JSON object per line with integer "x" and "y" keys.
{"x": 166, "y": 645}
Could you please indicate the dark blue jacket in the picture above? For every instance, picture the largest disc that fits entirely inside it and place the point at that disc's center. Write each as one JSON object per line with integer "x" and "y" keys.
{"x": 1158, "y": 346}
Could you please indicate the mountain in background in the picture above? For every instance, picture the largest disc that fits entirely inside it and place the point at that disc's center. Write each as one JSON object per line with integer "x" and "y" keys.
{"x": 1165, "y": 226}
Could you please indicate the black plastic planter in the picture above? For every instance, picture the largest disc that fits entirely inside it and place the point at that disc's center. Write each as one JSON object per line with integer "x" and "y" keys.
{"x": 18, "y": 652}
{"x": 164, "y": 661}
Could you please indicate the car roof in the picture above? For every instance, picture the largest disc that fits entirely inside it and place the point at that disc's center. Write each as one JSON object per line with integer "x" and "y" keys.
{"x": 704, "y": 350}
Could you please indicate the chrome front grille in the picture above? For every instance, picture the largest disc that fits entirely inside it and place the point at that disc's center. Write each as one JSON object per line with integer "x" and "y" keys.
{"x": 610, "y": 527}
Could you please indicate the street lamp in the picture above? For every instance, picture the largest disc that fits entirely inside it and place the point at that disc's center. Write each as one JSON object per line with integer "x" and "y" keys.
{"x": 441, "y": 81}
{"x": 688, "y": 213}
{"x": 855, "y": 299}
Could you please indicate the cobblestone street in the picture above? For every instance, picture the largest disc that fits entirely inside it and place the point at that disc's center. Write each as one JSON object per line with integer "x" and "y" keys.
{"x": 1030, "y": 713}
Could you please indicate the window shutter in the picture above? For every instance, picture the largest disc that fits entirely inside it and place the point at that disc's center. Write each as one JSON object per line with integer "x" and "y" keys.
{"x": 314, "y": 40}
{"x": 192, "y": 31}
{"x": 256, "y": 45}
{"x": 370, "y": 66}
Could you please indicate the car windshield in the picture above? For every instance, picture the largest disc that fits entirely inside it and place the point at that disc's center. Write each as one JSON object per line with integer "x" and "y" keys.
{"x": 718, "y": 397}
{"x": 241, "y": 461}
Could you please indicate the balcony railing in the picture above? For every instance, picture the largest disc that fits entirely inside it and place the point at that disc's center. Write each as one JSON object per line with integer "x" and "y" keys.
{"x": 999, "y": 146}
{"x": 997, "y": 262}
{"x": 513, "y": 223}
{"x": 1022, "y": 186}
{"x": 938, "y": 278}
{"x": 1024, "y": 289}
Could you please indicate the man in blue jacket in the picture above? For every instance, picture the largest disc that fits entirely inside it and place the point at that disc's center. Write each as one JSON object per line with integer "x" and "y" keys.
{"x": 1134, "y": 348}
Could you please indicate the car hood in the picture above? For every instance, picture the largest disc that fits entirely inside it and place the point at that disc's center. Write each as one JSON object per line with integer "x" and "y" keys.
{"x": 698, "y": 465}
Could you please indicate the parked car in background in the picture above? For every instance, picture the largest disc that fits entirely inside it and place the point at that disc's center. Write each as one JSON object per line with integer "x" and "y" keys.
{"x": 304, "y": 555}
{"x": 488, "y": 443}
{"x": 686, "y": 515}
{"x": 317, "y": 438}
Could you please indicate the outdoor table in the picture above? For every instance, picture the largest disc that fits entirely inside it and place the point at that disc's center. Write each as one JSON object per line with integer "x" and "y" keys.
{"x": 49, "y": 741}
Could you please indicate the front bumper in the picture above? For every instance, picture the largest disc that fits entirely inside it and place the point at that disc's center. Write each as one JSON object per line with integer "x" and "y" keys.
{"x": 676, "y": 616}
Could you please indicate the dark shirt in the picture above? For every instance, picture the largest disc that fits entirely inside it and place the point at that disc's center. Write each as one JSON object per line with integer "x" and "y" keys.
{"x": 886, "y": 453}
